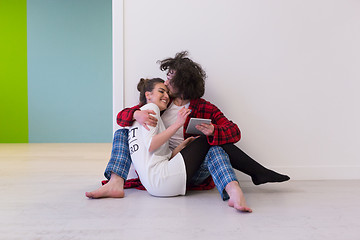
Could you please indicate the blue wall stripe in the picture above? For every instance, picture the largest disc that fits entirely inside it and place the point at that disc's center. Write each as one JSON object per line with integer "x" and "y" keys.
{"x": 69, "y": 70}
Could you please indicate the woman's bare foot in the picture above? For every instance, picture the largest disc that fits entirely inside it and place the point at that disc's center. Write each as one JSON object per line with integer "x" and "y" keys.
{"x": 113, "y": 189}
{"x": 237, "y": 199}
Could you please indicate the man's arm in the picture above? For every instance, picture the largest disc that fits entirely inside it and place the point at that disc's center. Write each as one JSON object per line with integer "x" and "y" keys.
{"x": 224, "y": 130}
{"x": 127, "y": 116}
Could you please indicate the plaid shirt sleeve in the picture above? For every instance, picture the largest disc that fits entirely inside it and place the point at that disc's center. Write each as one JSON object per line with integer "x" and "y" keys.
{"x": 125, "y": 116}
{"x": 225, "y": 130}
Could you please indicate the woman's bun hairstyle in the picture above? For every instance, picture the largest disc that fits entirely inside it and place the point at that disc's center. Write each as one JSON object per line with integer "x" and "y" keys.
{"x": 147, "y": 85}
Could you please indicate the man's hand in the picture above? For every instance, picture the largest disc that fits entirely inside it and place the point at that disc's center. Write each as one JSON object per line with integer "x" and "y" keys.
{"x": 207, "y": 129}
{"x": 145, "y": 118}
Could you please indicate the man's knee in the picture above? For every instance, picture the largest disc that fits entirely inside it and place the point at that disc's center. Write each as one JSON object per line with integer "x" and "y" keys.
{"x": 122, "y": 132}
{"x": 217, "y": 153}
{"x": 216, "y": 150}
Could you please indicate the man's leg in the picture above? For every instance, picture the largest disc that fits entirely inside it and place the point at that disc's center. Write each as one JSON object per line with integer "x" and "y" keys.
{"x": 225, "y": 179}
{"x": 113, "y": 189}
{"x": 120, "y": 160}
{"x": 117, "y": 168}
{"x": 194, "y": 155}
{"x": 201, "y": 175}
{"x": 244, "y": 163}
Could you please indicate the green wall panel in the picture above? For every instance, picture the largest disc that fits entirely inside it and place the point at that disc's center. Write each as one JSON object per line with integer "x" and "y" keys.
{"x": 13, "y": 72}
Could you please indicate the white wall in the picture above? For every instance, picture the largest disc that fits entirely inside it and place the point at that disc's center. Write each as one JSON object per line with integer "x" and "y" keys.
{"x": 287, "y": 72}
{"x": 117, "y": 58}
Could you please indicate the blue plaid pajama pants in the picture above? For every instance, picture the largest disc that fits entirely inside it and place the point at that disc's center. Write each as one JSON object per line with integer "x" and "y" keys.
{"x": 120, "y": 160}
{"x": 216, "y": 164}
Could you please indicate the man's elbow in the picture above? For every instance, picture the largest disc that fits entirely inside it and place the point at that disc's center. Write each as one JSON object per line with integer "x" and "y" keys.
{"x": 238, "y": 135}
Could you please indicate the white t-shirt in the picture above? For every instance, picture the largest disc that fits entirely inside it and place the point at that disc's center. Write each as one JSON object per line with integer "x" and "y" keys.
{"x": 159, "y": 176}
{"x": 169, "y": 117}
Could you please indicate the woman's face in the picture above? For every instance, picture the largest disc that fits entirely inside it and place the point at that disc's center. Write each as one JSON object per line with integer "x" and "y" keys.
{"x": 159, "y": 96}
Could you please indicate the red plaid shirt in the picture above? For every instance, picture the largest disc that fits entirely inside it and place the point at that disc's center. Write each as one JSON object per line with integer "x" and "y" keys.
{"x": 225, "y": 130}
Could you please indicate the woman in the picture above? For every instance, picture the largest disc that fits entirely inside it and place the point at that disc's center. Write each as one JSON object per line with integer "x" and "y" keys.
{"x": 164, "y": 172}
{"x": 150, "y": 150}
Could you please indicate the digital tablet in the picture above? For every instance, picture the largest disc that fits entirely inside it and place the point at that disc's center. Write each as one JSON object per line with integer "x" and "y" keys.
{"x": 191, "y": 129}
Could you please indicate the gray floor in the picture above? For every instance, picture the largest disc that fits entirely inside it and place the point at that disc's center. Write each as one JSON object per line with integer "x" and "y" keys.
{"x": 42, "y": 197}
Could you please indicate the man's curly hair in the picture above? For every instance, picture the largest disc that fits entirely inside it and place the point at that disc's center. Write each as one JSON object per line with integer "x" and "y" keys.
{"x": 189, "y": 79}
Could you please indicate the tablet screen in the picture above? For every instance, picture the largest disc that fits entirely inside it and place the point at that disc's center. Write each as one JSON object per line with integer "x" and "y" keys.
{"x": 191, "y": 129}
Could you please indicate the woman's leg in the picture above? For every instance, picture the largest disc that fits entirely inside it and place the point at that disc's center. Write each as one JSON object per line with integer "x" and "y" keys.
{"x": 239, "y": 160}
{"x": 194, "y": 155}
{"x": 244, "y": 163}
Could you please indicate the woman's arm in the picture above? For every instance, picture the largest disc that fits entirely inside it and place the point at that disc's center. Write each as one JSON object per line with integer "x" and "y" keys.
{"x": 164, "y": 136}
{"x": 182, "y": 145}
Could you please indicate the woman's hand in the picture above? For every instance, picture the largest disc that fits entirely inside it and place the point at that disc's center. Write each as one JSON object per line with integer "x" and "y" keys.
{"x": 145, "y": 118}
{"x": 182, "y": 115}
{"x": 182, "y": 145}
{"x": 188, "y": 141}
{"x": 160, "y": 138}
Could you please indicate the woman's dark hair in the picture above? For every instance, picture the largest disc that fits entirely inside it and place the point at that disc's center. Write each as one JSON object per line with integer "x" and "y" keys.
{"x": 147, "y": 85}
{"x": 189, "y": 79}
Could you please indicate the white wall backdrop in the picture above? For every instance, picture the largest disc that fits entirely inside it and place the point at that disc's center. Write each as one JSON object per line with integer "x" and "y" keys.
{"x": 287, "y": 72}
{"x": 117, "y": 58}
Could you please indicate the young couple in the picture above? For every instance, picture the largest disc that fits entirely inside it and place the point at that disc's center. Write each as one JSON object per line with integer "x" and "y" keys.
{"x": 165, "y": 157}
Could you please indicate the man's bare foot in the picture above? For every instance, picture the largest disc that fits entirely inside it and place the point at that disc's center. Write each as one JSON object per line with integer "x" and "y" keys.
{"x": 237, "y": 199}
{"x": 113, "y": 189}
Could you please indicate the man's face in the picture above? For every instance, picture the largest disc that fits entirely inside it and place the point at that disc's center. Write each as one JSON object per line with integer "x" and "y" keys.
{"x": 170, "y": 74}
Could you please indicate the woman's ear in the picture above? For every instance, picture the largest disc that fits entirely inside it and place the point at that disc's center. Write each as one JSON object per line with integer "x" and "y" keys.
{"x": 147, "y": 95}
